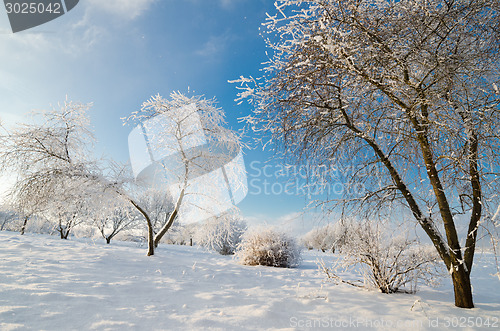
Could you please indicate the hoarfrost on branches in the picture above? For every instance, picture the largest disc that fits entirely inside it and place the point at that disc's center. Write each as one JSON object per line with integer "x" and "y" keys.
{"x": 407, "y": 91}
{"x": 192, "y": 132}
{"x": 269, "y": 247}
{"x": 221, "y": 233}
{"x": 321, "y": 238}
{"x": 56, "y": 176}
{"x": 386, "y": 262}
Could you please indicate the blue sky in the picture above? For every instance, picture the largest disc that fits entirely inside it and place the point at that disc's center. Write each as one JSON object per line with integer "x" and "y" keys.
{"x": 117, "y": 53}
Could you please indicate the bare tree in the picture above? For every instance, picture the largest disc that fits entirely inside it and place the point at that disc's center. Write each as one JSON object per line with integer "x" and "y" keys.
{"x": 321, "y": 238}
{"x": 387, "y": 260}
{"x": 111, "y": 215}
{"x": 176, "y": 145}
{"x": 409, "y": 86}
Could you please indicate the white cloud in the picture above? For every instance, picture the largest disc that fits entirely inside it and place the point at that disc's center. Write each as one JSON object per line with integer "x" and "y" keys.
{"x": 214, "y": 46}
{"x": 10, "y": 119}
{"x": 72, "y": 35}
{"x": 227, "y": 4}
{"x": 296, "y": 223}
{"x": 8, "y": 181}
{"x": 84, "y": 34}
{"x": 126, "y": 9}
{"x": 15, "y": 43}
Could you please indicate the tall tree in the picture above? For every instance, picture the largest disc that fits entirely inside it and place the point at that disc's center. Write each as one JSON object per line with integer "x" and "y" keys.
{"x": 178, "y": 144}
{"x": 410, "y": 86}
{"x": 46, "y": 156}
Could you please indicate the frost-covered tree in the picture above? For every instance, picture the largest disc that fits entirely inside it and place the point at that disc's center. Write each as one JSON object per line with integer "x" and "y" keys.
{"x": 7, "y": 216}
{"x": 111, "y": 215}
{"x": 67, "y": 208}
{"x": 221, "y": 233}
{"x": 408, "y": 88}
{"x": 321, "y": 238}
{"x": 46, "y": 156}
{"x": 187, "y": 139}
{"x": 54, "y": 166}
{"x": 181, "y": 234}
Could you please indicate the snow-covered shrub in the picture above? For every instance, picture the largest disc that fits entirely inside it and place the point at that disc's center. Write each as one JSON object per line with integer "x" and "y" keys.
{"x": 269, "y": 247}
{"x": 328, "y": 238}
{"x": 320, "y": 238}
{"x": 37, "y": 224}
{"x": 9, "y": 219}
{"x": 385, "y": 259}
{"x": 221, "y": 234}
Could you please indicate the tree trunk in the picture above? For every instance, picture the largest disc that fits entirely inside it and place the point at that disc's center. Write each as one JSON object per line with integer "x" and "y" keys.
{"x": 460, "y": 275}
{"x": 462, "y": 287}
{"x": 171, "y": 218}
{"x": 165, "y": 228}
{"x": 151, "y": 245}
{"x": 451, "y": 257}
{"x": 108, "y": 240}
{"x": 23, "y": 228}
{"x": 151, "y": 242}
{"x": 64, "y": 234}
{"x": 450, "y": 254}
{"x": 3, "y": 223}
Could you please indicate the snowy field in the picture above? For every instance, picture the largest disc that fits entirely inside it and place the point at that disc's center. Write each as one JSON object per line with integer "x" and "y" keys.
{"x": 51, "y": 284}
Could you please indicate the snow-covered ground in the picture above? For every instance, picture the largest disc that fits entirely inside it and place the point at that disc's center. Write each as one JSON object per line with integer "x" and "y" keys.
{"x": 52, "y": 284}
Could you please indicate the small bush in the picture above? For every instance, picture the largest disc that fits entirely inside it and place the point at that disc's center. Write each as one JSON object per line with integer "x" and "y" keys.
{"x": 385, "y": 261}
{"x": 268, "y": 247}
{"x": 221, "y": 234}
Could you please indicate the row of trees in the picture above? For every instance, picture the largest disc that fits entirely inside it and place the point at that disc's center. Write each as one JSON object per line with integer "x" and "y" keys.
{"x": 57, "y": 177}
{"x": 94, "y": 215}
{"x": 221, "y": 233}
